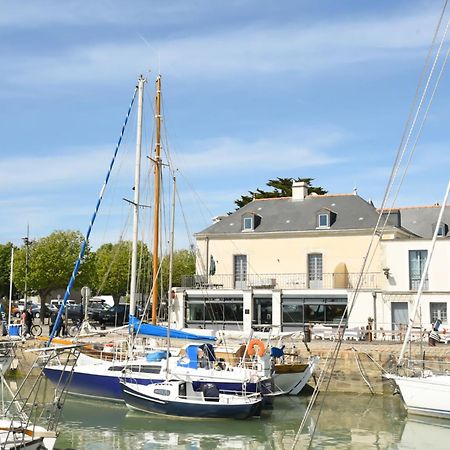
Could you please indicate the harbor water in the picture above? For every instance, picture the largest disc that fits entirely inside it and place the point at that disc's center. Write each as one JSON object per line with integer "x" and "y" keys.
{"x": 346, "y": 421}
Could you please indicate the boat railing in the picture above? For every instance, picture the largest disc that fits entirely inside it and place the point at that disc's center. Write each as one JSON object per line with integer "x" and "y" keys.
{"x": 422, "y": 367}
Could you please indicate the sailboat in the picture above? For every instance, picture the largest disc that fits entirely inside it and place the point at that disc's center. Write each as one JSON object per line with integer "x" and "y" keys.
{"x": 100, "y": 379}
{"x": 178, "y": 398}
{"x": 424, "y": 392}
{"x": 175, "y": 397}
{"x": 30, "y": 418}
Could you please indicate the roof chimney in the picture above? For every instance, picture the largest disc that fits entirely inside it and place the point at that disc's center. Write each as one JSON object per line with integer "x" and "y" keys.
{"x": 299, "y": 190}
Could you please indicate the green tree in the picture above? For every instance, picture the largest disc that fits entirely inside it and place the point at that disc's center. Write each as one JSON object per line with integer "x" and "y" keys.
{"x": 5, "y": 268}
{"x": 183, "y": 265}
{"x": 50, "y": 263}
{"x": 113, "y": 268}
{"x": 281, "y": 187}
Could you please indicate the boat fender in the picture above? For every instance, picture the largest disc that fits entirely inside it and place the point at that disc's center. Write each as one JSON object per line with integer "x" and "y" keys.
{"x": 256, "y": 343}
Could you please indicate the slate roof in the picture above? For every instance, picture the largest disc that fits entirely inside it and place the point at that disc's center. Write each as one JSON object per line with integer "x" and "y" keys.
{"x": 421, "y": 220}
{"x": 287, "y": 215}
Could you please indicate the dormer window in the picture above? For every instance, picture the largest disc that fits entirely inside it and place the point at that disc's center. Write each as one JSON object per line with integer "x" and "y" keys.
{"x": 250, "y": 221}
{"x": 324, "y": 220}
{"x": 442, "y": 230}
{"x": 247, "y": 224}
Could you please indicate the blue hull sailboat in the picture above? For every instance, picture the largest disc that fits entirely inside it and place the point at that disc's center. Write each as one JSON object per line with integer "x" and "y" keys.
{"x": 178, "y": 398}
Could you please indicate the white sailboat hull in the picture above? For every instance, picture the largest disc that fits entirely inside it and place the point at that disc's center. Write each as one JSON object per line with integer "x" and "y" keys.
{"x": 428, "y": 396}
{"x": 31, "y": 438}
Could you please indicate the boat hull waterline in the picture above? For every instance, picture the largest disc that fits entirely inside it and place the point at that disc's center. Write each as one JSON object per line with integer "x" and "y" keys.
{"x": 138, "y": 400}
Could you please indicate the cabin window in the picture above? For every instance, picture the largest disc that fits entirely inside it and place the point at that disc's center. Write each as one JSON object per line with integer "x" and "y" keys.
{"x": 164, "y": 392}
{"x": 248, "y": 224}
{"x": 323, "y": 221}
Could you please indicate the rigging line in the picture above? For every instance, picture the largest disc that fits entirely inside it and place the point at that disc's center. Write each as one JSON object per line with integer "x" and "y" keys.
{"x": 91, "y": 224}
{"x": 423, "y": 277}
{"x": 425, "y": 117}
{"x": 416, "y": 95}
{"x": 114, "y": 257}
{"x": 393, "y": 174}
{"x": 410, "y": 124}
{"x": 418, "y": 135}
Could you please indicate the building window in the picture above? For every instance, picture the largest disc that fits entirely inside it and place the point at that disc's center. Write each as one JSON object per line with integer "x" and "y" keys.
{"x": 438, "y": 311}
{"x": 240, "y": 271}
{"x": 417, "y": 260}
{"x": 315, "y": 270}
{"x": 298, "y": 312}
{"x": 248, "y": 224}
{"x": 220, "y": 310}
{"x": 442, "y": 230}
{"x": 324, "y": 221}
{"x": 262, "y": 311}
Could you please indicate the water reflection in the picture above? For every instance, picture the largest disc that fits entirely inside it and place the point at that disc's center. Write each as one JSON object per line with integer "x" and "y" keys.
{"x": 346, "y": 422}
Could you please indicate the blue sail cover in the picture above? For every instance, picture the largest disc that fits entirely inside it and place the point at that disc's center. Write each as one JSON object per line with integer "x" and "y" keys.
{"x": 148, "y": 329}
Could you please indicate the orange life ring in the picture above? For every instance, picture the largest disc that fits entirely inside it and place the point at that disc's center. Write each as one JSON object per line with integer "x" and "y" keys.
{"x": 255, "y": 343}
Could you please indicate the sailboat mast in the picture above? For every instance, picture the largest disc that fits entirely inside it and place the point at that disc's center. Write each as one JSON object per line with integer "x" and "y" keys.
{"x": 412, "y": 316}
{"x": 137, "y": 182}
{"x": 156, "y": 211}
{"x": 11, "y": 285}
{"x": 169, "y": 297}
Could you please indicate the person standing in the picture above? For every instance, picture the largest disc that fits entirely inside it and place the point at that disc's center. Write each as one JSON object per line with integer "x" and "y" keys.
{"x": 27, "y": 322}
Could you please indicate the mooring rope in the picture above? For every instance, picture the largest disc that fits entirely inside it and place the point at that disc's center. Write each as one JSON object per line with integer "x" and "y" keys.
{"x": 88, "y": 233}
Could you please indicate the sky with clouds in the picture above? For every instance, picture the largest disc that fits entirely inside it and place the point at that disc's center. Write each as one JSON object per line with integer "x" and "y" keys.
{"x": 252, "y": 90}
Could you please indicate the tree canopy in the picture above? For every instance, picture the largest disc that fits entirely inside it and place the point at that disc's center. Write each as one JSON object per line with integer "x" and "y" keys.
{"x": 5, "y": 268}
{"x": 107, "y": 271}
{"x": 281, "y": 187}
{"x": 113, "y": 268}
{"x": 50, "y": 263}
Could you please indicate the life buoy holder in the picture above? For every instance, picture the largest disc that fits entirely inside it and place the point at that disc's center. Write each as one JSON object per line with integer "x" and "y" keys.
{"x": 255, "y": 343}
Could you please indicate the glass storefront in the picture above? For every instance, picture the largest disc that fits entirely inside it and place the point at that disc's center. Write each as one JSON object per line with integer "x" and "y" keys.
{"x": 301, "y": 311}
{"x": 214, "y": 312}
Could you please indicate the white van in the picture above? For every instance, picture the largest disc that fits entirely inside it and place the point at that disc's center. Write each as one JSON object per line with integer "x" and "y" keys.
{"x": 57, "y": 302}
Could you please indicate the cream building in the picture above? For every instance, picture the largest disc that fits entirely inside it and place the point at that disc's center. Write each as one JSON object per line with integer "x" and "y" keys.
{"x": 289, "y": 263}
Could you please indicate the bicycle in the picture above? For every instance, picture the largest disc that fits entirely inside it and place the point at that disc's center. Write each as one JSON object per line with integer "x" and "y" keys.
{"x": 35, "y": 330}
{"x": 76, "y": 328}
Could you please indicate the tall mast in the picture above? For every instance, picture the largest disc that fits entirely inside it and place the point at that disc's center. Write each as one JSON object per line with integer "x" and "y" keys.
{"x": 412, "y": 316}
{"x": 169, "y": 296}
{"x": 11, "y": 285}
{"x": 137, "y": 182}
{"x": 157, "y": 200}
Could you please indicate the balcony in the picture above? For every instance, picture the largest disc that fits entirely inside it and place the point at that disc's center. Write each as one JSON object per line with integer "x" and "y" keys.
{"x": 372, "y": 280}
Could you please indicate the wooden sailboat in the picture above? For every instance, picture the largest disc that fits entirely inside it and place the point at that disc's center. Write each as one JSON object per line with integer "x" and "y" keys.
{"x": 100, "y": 379}
{"x": 177, "y": 397}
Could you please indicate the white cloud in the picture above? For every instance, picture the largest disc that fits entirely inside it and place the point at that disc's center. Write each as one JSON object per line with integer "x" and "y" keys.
{"x": 37, "y": 13}
{"x": 236, "y": 52}
{"x": 72, "y": 167}
{"x": 227, "y": 154}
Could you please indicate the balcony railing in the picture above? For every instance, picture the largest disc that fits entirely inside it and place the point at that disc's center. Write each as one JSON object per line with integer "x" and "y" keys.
{"x": 370, "y": 280}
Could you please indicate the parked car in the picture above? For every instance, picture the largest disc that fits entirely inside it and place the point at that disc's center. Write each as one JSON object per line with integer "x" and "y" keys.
{"x": 117, "y": 315}
{"x": 36, "y": 310}
{"x": 74, "y": 312}
{"x": 95, "y": 309}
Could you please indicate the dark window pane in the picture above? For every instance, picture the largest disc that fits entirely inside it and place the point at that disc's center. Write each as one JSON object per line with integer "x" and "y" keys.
{"x": 293, "y": 313}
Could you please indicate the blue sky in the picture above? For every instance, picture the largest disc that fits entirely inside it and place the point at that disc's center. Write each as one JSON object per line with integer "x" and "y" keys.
{"x": 252, "y": 90}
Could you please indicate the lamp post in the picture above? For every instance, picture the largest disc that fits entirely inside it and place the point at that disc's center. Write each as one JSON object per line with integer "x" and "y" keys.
{"x": 27, "y": 242}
